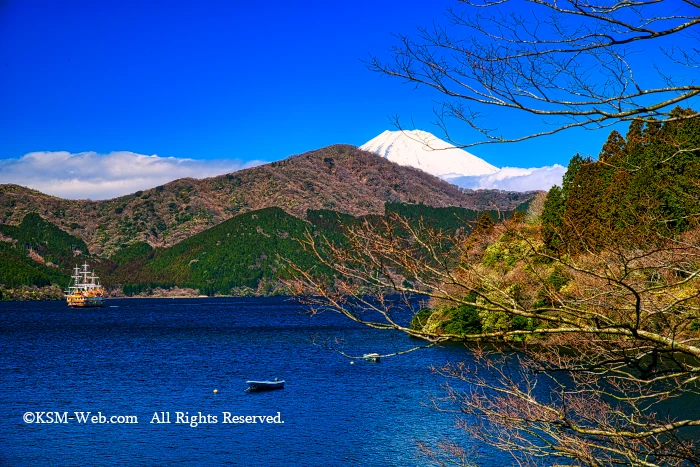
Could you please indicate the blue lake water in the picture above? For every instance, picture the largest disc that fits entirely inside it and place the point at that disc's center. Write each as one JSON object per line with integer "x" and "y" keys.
{"x": 141, "y": 357}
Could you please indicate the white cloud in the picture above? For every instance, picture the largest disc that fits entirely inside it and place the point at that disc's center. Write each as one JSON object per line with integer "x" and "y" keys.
{"x": 514, "y": 179}
{"x": 103, "y": 176}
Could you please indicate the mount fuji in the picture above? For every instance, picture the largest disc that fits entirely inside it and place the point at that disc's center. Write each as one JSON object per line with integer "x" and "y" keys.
{"x": 425, "y": 151}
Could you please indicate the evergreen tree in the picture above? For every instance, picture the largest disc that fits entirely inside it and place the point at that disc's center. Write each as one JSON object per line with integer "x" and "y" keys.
{"x": 553, "y": 218}
{"x": 485, "y": 224}
{"x": 572, "y": 170}
{"x": 642, "y": 185}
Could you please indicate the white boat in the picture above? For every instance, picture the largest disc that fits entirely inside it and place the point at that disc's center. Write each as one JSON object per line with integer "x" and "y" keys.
{"x": 264, "y": 385}
{"x": 372, "y": 357}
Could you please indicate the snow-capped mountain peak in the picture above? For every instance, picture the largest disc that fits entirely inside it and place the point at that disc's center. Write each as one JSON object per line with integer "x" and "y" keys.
{"x": 425, "y": 151}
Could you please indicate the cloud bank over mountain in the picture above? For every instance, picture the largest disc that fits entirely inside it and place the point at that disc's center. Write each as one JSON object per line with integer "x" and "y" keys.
{"x": 103, "y": 176}
{"x": 514, "y": 179}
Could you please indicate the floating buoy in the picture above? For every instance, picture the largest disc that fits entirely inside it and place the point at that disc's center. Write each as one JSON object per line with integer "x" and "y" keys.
{"x": 216, "y": 391}
{"x": 351, "y": 362}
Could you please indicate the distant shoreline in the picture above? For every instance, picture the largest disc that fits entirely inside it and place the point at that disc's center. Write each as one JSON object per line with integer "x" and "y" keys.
{"x": 177, "y": 297}
{"x": 55, "y": 293}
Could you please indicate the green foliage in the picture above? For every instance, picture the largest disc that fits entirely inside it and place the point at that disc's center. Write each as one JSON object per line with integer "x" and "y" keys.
{"x": 332, "y": 221}
{"x": 44, "y": 237}
{"x": 464, "y": 319}
{"x": 134, "y": 289}
{"x": 505, "y": 252}
{"x": 239, "y": 252}
{"x": 643, "y": 185}
{"x": 519, "y": 323}
{"x": 243, "y": 253}
{"x": 553, "y": 218}
{"x": 522, "y": 207}
{"x": 458, "y": 320}
{"x": 131, "y": 252}
{"x": 38, "y": 237}
{"x": 558, "y": 278}
{"x": 441, "y": 219}
{"x": 485, "y": 223}
{"x": 15, "y": 271}
{"x": 420, "y": 319}
{"x": 572, "y": 170}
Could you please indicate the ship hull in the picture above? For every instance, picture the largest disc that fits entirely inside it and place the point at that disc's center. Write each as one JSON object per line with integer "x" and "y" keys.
{"x": 86, "y": 303}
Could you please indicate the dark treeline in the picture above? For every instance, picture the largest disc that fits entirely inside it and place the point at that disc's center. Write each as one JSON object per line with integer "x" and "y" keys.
{"x": 643, "y": 185}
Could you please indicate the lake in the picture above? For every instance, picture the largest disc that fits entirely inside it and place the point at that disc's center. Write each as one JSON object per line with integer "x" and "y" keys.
{"x": 154, "y": 358}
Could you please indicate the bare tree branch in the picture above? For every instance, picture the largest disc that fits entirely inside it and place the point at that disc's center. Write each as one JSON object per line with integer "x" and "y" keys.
{"x": 575, "y": 64}
{"x": 613, "y": 344}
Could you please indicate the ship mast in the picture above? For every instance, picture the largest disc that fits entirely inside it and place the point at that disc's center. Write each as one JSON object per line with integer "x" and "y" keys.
{"x": 76, "y": 279}
{"x": 85, "y": 274}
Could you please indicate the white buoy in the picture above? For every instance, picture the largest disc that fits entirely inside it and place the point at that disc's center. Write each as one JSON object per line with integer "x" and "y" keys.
{"x": 351, "y": 362}
{"x": 216, "y": 391}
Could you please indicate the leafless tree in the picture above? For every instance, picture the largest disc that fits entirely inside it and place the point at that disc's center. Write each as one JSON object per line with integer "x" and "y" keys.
{"x": 576, "y": 356}
{"x": 613, "y": 335}
{"x": 570, "y": 63}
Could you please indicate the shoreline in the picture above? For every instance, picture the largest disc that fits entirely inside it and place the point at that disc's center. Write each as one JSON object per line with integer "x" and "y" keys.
{"x": 56, "y": 293}
{"x": 177, "y": 297}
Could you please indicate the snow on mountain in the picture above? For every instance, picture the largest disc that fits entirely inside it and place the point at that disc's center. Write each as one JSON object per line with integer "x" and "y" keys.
{"x": 425, "y": 151}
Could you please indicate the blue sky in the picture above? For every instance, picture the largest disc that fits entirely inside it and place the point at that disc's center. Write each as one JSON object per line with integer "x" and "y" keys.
{"x": 244, "y": 81}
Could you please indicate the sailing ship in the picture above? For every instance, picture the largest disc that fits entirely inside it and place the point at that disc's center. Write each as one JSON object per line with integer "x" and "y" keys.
{"x": 85, "y": 289}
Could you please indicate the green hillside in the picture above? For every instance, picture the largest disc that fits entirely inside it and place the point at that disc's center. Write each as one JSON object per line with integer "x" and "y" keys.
{"x": 249, "y": 248}
{"x": 442, "y": 219}
{"x": 445, "y": 219}
{"x": 37, "y": 253}
{"x": 237, "y": 253}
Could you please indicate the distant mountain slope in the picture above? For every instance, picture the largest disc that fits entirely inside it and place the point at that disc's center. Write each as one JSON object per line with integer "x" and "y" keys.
{"x": 249, "y": 248}
{"x": 237, "y": 253}
{"x": 36, "y": 252}
{"x": 427, "y": 152}
{"x": 342, "y": 178}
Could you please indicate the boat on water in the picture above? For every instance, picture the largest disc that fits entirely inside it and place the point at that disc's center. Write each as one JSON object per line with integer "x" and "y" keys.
{"x": 372, "y": 357}
{"x": 85, "y": 289}
{"x": 264, "y": 385}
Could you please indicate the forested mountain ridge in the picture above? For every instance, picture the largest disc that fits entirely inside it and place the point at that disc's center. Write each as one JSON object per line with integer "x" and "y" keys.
{"x": 341, "y": 178}
{"x": 244, "y": 254}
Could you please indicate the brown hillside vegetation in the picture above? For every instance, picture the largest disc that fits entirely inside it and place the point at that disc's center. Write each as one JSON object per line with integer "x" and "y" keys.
{"x": 341, "y": 177}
